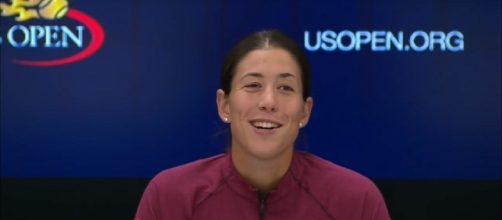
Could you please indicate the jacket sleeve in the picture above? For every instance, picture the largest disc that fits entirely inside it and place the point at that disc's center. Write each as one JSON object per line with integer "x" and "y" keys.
{"x": 165, "y": 198}
{"x": 148, "y": 208}
{"x": 375, "y": 208}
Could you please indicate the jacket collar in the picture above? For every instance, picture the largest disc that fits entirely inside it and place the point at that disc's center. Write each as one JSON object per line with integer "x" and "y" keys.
{"x": 288, "y": 183}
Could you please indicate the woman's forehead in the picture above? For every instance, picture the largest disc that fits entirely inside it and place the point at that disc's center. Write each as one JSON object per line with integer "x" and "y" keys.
{"x": 276, "y": 61}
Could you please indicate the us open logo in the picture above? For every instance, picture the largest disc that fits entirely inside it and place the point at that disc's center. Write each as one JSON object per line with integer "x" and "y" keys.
{"x": 50, "y": 26}
{"x": 384, "y": 41}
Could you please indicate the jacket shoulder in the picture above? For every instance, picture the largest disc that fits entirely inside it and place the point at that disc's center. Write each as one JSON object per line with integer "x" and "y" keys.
{"x": 173, "y": 193}
{"x": 191, "y": 177}
{"x": 321, "y": 170}
{"x": 336, "y": 186}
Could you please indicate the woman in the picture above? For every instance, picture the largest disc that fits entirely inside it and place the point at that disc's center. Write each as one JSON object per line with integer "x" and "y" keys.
{"x": 265, "y": 98}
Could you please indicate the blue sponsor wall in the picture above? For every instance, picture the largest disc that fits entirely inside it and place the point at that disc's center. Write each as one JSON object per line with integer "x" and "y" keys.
{"x": 146, "y": 100}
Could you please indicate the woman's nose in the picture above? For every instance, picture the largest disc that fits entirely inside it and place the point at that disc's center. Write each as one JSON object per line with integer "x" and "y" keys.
{"x": 268, "y": 100}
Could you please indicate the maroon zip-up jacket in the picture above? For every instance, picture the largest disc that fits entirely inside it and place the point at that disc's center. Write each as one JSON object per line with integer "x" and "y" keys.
{"x": 211, "y": 189}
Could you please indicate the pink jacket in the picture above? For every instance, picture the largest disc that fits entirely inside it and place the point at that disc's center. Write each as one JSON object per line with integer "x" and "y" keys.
{"x": 211, "y": 189}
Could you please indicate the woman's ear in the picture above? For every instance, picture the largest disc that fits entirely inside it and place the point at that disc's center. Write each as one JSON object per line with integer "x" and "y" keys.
{"x": 223, "y": 106}
{"x": 307, "y": 109}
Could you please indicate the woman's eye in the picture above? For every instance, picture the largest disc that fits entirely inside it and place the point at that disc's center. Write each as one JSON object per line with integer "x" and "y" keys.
{"x": 252, "y": 86}
{"x": 286, "y": 88}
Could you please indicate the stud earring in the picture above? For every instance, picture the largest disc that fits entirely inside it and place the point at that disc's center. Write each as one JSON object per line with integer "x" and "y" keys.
{"x": 225, "y": 119}
{"x": 300, "y": 125}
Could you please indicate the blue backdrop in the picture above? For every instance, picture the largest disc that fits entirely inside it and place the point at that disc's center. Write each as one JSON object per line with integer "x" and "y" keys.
{"x": 145, "y": 101}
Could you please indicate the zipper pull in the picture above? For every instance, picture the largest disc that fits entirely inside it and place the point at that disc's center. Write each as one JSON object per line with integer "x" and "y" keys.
{"x": 262, "y": 197}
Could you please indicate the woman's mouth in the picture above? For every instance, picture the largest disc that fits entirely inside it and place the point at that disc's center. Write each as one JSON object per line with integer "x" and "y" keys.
{"x": 265, "y": 124}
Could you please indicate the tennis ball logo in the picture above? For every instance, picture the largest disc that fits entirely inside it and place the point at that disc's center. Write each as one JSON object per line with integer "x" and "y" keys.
{"x": 35, "y": 9}
{"x": 53, "y": 9}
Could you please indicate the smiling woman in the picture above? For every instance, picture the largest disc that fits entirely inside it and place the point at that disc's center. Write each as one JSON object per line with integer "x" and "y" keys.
{"x": 265, "y": 99}
{"x": 265, "y": 109}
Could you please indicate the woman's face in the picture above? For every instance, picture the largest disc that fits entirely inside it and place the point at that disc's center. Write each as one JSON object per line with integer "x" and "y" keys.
{"x": 265, "y": 106}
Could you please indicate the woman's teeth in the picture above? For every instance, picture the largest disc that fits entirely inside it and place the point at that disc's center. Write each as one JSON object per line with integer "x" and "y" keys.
{"x": 265, "y": 125}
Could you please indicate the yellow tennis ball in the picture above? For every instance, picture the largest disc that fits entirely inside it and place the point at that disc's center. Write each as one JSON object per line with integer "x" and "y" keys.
{"x": 53, "y": 9}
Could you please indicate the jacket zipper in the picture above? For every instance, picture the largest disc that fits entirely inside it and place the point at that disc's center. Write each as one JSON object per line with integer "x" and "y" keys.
{"x": 262, "y": 197}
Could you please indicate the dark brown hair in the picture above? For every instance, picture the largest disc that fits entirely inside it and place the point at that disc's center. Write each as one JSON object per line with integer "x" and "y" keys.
{"x": 260, "y": 40}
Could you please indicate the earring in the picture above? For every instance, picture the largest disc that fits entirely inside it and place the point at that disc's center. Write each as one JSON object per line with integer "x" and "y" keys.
{"x": 300, "y": 125}
{"x": 225, "y": 119}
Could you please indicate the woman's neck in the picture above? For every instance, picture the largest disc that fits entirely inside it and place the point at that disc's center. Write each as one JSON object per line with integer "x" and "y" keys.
{"x": 262, "y": 173}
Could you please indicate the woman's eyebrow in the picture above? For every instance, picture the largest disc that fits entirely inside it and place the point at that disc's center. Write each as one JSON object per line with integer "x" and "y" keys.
{"x": 259, "y": 75}
{"x": 252, "y": 74}
{"x": 286, "y": 75}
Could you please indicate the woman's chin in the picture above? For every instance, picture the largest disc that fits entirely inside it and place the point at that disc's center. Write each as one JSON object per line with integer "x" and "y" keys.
{"x": 267, "y": 151}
